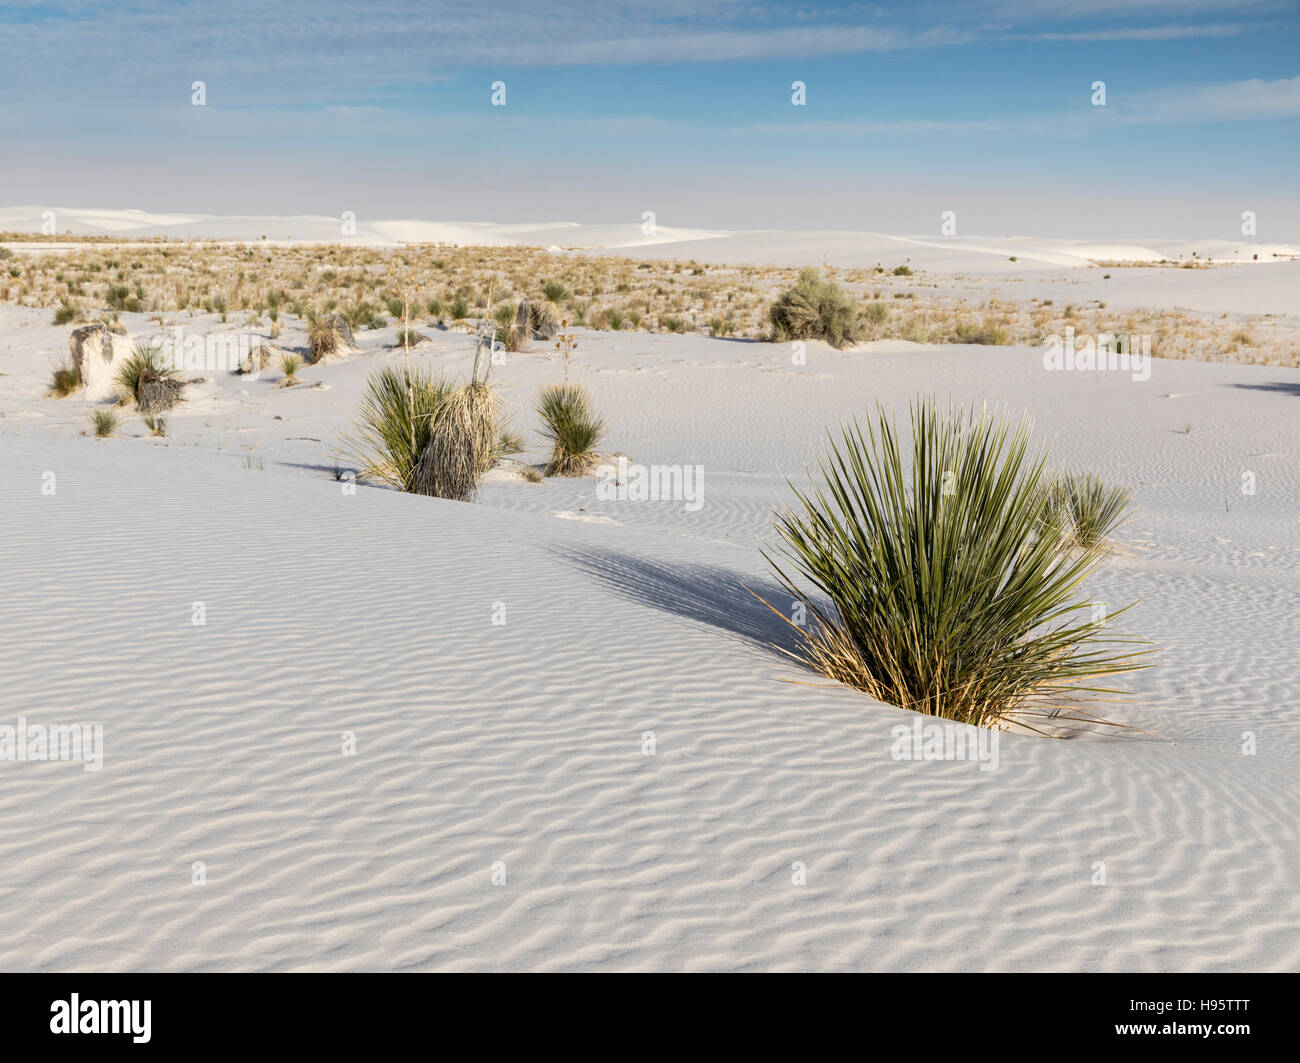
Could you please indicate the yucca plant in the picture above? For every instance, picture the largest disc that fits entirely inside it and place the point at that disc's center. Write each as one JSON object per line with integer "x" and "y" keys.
{"x": 572, "y": 427}
{"x": 816, "y": 308}
{"x": 394, "y": 424}
{"x": 462, "y": 445}
{"x": 327, "y": 335}
{"x": 103, "y": 422}
{"x": 146, "y": 362}
{"x": 944, "y": 596}
{"x": 290, "y": 363}
{"x": 1085, "y": 509}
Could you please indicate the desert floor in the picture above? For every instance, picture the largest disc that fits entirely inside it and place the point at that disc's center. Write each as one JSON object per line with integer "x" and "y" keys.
{"x": 520, "y": 744}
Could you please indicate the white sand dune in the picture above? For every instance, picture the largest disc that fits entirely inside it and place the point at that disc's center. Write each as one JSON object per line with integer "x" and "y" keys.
{"x": 761, "y": 247}
{"x": 521, "y": 744}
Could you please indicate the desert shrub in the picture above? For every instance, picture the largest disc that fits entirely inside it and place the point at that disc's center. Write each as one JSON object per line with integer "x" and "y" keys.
{"x": 407, "y": 337}
{"x": 986, "y": 335}
{"x": 555, "y": 291}
{"x": 103, "y": 422}
{"x": 672, "y": 323}
{"x": 65, "y": 380}
{"x": 814, "y": 309}
{"x": 875, "y": 314}
{"x": 1085, "y": 510}
{"x": 326, "y": 335}
{"x": 394, "y": 423}
{"x": 572, "y": 428}
{"x": 146, "y": 362}
{"x": 66, "y": 313}
{"x": 944, "y": 596}
{"x": 902, "y": 271}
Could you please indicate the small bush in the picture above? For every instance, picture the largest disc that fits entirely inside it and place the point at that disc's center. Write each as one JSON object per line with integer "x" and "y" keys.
{"x": 571, "y": 426}
{"x": 814, "y": 309}
{"x": 104, "y": 422}
{"x": 66, "y": 380}
{"x": 66, "y": 314}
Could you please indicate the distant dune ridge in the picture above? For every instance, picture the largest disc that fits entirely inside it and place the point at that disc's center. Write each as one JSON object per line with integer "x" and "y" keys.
{"x": 754, "y": 247}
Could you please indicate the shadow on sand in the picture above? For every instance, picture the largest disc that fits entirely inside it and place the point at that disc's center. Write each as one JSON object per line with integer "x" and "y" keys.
{"x": 705, "y": 594}
{"x": 1284, "y": 387}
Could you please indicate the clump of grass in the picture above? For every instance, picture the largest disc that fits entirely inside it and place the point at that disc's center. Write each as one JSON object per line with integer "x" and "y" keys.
{"x": 65, "y": 380}
{"x": 985, "y": 335}
{"x": 511, "y": 332}
{"x": 67, "y": 313}
{"x": 104, "y": 422}
{"x": 554, "y": 291}
{"x": 394, "y": 424}
{"x": 1085, "y": 510}
{"x": 157, "y": 425}
{"x": 462, "y": 444}
{"x": 289, "y": 365}
{"x": 816, "y": 308}
{"x": 405, "y": 336}
{"x": 325, "y": 335}
{"x": 508, "y": 442}
{"x": 532, "y": 474}
{"x": 944, "y": 596}
{"x": 572, "y": 427}
{"x": 874, "y": 315}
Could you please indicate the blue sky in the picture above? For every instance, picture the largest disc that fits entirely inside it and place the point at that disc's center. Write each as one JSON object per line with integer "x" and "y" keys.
{"x": 680, "y": 107}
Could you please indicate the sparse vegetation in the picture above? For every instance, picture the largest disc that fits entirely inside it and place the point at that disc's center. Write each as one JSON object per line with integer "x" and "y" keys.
{"x": 571, "y": 427}
{"x": 104, "y": 422}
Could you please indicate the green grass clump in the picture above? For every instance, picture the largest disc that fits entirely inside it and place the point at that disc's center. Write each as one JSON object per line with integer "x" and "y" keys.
{"x": 1085, "y": 509}
{"x": 104, "y": 422}
{"x": 816, "y": 308}
{"x": 394, "y": 424}
{"x": 945, "y": 598}
{"x": 65, "y": 380}
{"x": 572, "y": 427}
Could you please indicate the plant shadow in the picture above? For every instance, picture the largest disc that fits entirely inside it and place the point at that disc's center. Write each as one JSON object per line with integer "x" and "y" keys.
{"x": 704, "y": 594}
{"x": 1285, "y": 387}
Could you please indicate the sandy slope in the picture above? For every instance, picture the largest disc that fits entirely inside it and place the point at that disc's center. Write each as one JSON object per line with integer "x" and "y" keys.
{"x": 521, "y": 743}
